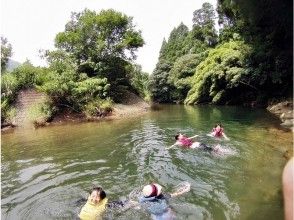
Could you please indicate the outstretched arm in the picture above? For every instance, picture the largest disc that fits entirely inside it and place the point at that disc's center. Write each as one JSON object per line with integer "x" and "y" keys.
{"x": 175, "y": 144}
{"x": 181, "y": 190}
{"x": 193, "y": 136}
{"x": 225, "y": 136}
{"x": 131, "y": 204}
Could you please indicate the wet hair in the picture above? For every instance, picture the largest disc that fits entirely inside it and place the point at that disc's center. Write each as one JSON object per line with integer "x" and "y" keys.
{"x": 102, "y": 194}
{"x": 177, "y": 136}
{"x": 218, "y": 124}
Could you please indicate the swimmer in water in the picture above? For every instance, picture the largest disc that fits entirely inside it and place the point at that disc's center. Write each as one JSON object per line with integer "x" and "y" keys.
{"x": 95, "y": 206}
{"x": 218, "y": 131}
{"x": 156, "y": 202}
{"x": 186, "y": 142}
{"x": 97, "y": 203}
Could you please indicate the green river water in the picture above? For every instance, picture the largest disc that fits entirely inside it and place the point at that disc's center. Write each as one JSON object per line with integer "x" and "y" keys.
{"x": 44, "y": 172}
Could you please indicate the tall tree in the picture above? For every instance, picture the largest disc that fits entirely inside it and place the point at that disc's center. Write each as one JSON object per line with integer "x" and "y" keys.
{"x": 203, "y": 25}
{"x": 6, "y": 52}
{"x": 268, "y": 26}
{"x": 161, "y": 88}
{"x": 175, "y": 46}
{"x": 100, "y": 43}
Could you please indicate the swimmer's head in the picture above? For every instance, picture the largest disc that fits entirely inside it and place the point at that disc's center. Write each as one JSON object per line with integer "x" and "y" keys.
{"x": 97, "y": 194}
{"x": 178, "y": 136}
{"x": 152, "y": 190}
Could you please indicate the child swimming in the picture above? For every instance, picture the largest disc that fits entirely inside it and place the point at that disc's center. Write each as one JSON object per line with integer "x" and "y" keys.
{"x": 95, "y": 206}
{"x": 97, "y": 203}
{"x": 218, "y": 131}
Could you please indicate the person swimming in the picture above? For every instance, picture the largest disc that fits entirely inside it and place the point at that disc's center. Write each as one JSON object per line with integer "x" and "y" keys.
{"x": 95, "y": 206}
{"x": 97, "y": 203}
{"x": 218, "y": 131}
{"x": 186, "y": 142}
{"x": 157, "y": 203}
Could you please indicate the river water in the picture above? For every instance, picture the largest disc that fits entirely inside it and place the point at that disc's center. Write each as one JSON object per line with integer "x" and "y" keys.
{"x": 46, "y": 171}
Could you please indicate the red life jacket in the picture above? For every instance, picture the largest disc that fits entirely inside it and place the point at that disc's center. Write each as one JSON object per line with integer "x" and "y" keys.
{"x": 218, "y": 133}
{"x": 186, "y": 142}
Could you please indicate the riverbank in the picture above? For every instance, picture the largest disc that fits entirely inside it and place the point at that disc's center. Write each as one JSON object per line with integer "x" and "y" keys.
{"x": 131, "y": 105}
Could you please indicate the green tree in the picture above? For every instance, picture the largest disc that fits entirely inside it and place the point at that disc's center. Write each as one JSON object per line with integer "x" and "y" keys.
{"x": 6, "y": 52}
{"x": 189, "y": 45}
{"x": 175, "y": 46}
{"x": 223, "y": 76}
{"x": 161, "y": 88}
{"x": 100, "y": 43}
{"x": 203, "y": 27}
{"x": 140, "y": 81}
{"x": 268, "y": 26}
{"x": 67, "y": 87}
{"x": 182, "y": 72}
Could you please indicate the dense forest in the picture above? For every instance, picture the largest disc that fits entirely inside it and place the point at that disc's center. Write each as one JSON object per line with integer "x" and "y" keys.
{"x": 247, "y": 59}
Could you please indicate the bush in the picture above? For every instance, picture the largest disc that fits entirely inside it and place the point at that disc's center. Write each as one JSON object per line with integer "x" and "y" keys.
{"x": 98, "y": 108}
{"x": 8, "y": 112}
{"x": 40, "y": 113}
{"x": 9, "y": 87}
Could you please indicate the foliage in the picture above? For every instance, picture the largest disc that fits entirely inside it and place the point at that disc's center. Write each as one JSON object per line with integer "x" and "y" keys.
{"x": 253, "y": 60}
{"x": 160, "y": 86}
{"x": 140, "y": 81}
{"x": 6, "y": 52}
{"x": 220, "y": 73}
{"x": 175, "y": 47}
{"x": 203, "y": 25}
{"x": 28, "y": 76}
{"x": 68, "y": 88}
{"x": 98, "y": 108}
{"x": 167, "y": 85}
{"x": 24, "y": 76}
{"x": 40, "y": 113}
{"x": 181, "y": 74}
{"x": 9, "y": 86}
{"x": 268, "y": 27}
{"x": 8, "y": 112}
{"x": 100, "y": 43}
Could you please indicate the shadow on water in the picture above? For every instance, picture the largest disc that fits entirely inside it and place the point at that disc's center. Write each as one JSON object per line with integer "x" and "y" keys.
{"x": 45, "y": 171}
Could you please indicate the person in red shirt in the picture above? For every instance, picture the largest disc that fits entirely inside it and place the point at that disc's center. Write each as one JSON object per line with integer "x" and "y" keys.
{"x": 218, "y": 131}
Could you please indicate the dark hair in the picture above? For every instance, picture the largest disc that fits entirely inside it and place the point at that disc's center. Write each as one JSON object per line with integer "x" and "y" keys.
{"x": 102, "y": 194}
{"x": 177, "y": 136}
{"x": 218, "y": 124}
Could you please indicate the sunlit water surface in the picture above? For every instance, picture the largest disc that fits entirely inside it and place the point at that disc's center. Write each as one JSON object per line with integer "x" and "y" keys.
{"x": 46, "y": 171}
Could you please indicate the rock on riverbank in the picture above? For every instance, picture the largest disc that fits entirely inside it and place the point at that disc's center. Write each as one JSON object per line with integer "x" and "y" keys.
{"x": 284, "y": 110}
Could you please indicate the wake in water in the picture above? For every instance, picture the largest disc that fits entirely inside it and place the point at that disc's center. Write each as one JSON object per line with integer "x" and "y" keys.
{"x": 222, "y": 151}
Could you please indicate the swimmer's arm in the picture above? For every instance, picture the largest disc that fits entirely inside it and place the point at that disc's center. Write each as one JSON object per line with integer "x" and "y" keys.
{"x": 194, "y": 136}
{"x": 175, "y": 144}
{"x": 225, "y": 137}
{"x": 175, "y": 194}
{"x": 181, "y": 191}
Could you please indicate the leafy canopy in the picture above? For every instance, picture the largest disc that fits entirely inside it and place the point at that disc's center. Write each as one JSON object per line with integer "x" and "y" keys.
{"x": 95, "y": 39}
{"x": 222, "y": 70}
